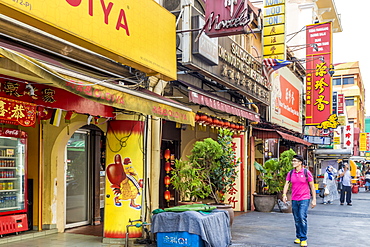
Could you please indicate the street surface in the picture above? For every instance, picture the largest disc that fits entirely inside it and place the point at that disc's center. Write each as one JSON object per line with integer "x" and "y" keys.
{"x": 328, "y": 225}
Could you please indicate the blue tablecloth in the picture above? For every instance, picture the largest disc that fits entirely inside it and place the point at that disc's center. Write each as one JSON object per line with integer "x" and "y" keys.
{"x": 213, "y": 228}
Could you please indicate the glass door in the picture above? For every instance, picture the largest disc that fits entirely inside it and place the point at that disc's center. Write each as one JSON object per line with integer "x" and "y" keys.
{"x": 77, "y": 180}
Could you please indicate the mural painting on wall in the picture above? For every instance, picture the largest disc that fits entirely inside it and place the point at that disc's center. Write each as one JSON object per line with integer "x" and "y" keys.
{"x": 124, "y": 178}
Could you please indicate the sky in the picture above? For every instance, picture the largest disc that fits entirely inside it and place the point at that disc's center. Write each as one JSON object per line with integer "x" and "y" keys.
{"x": 352, "y": 43}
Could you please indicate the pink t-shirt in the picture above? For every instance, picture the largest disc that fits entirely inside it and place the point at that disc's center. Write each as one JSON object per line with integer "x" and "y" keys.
{"x": 300, "y": 186}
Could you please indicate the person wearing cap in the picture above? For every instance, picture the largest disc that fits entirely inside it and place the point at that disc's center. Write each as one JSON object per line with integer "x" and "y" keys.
{"x": 302, "y": 183}
{"x": 345, "y": 178}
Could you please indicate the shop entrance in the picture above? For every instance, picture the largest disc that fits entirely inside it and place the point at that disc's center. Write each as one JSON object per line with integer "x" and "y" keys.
{"x": 78, "y": 200}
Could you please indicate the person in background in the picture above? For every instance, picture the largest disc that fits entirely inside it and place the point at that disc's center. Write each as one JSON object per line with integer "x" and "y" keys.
{"x": 367, "y": 180}
{"x": 302, "y": 182}
{"x": 346, "y": 192}
{"x": 330, "y": 183}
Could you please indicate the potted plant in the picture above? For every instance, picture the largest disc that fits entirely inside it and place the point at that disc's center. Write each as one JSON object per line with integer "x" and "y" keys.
{"x": 215, "y": 165}
{"x": 273, "y": 173}
{"x": 188, "y": 181}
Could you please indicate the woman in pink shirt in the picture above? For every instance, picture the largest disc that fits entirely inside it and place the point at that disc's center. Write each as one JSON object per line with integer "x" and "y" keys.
{"x": 302, "y": 182}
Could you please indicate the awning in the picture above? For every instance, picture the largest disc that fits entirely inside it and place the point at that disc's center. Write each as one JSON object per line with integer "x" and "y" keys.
{"x": 202, "y": 97}
{"x": 262, "y": 133}
{"x": 333, "y": 153}
{"x": 105, "y": 93}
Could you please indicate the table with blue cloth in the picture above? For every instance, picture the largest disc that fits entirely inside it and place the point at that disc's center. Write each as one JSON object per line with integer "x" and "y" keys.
{"x": 212, "y": 227}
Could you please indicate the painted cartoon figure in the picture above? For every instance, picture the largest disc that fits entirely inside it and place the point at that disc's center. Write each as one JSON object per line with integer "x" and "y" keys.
{"x": 124, "y": 180}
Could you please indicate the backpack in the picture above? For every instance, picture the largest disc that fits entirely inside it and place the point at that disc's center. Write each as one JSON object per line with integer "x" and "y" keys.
{"x": 305, "y": 173}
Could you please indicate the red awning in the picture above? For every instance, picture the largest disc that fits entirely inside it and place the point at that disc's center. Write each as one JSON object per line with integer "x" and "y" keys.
{"x": 275, "y": 134}
{"x": 202, "y": 98}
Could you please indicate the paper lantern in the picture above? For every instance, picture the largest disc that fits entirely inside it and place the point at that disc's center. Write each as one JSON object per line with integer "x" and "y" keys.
{"x": 167, "y": 166}
{"x": 167, "y": 195}
{"x": 167, "y": 154}
{"x": 167, "y": 180}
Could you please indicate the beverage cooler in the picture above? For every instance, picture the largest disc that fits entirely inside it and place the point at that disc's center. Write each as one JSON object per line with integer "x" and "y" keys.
{"x": 13, "y": 181}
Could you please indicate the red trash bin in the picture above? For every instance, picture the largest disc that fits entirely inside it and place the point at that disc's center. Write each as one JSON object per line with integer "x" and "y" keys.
{"x": 355, "y": 189}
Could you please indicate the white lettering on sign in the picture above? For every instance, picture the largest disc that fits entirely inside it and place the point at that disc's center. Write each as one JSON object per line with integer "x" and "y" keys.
{"x": 274, "y": 20}
{"x": 273, "y": 2}
{"x": 276, "y": 10}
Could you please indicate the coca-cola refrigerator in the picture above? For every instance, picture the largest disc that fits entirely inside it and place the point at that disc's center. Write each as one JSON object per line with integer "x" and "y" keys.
{"x": 13, "y": 181}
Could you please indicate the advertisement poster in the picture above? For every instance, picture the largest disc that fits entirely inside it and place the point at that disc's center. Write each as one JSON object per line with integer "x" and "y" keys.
{"x": 286, "y": 100}
{"x": 124, "y": 178}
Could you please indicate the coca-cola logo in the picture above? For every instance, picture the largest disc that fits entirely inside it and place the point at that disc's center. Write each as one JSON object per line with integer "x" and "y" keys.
{"x": 9, "y": 132}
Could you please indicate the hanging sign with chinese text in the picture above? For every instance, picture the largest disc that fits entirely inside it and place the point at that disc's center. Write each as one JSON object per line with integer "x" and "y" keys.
{"x": 17, "y": 112}
{"x": 348, "y": 136}
{"x": 318, "y": 80}
{"x": 274, "y": 29}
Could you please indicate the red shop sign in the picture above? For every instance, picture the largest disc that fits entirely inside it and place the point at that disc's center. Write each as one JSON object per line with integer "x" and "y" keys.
{"x": 17, "y": 112}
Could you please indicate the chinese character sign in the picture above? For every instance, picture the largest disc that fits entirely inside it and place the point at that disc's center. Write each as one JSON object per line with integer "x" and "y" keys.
{"x": 274, "y": 29}
{"x": 318, "y": 80}
{"x": 348, "y": 136}
{"x": 364, "y": 141}
{"x": 17, "y": 112}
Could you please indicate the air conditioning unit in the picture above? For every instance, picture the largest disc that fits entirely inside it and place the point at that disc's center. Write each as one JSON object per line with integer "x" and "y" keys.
{"x": 178, "y": 45}
{"x": 172, "y": 5}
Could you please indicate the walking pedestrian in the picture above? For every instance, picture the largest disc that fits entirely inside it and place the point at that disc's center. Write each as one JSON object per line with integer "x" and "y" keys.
{"x": 367, "y": 179}
{"x": 330, "y": 183}
{"x": 302, "y": 181}
{"x": 346, "y": 192}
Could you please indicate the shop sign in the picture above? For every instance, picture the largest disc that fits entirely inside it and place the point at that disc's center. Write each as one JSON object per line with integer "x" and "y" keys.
{"x": 226, "y": 17}
{"x": 52, "y": 97}
{"x": 348, "y": 136}
{"x": 140, "y": 34}
{"x": 286, "y": 107}
{"x": 17, "y": 112}
{"x": 239, "y": 69}
{"x": 340, "y": 103}
{"x": 274, "y": 29}
{"x": 364, "y": 142}
{"x": 205, "y": 47}
{"x": 318, "y": 81}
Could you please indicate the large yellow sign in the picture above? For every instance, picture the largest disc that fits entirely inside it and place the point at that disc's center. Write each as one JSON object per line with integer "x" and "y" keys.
{"x": 140, "y": 34}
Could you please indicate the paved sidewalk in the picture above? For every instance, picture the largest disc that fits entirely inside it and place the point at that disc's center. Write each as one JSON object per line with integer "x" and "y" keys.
{"x": 329, "y": 225}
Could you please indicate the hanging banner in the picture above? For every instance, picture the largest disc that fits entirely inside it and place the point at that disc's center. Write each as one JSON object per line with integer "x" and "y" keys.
{"x": 124, "y": 178}
{"x": 318, "y": 81}
{"x": 348, "y": 136}
{"x": 235, "y": 196}
{"x": 17, "y": 112}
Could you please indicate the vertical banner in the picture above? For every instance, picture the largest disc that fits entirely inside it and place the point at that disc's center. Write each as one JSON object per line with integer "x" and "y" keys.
{"x": 318, "y": 80}
{"x": 274, "y": 29}
{"x": 235, "y": 196}
{"x": 363, "y": 141}
{"x": 340, "y": 103}
{"x": 124, "y": 178}
{"x": 348, "y": 136}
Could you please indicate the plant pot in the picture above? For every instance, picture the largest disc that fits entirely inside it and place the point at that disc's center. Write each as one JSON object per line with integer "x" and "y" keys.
{"x": 188, "y": 203}
{"x": 264, "y": 203}
{"x": 226, "y": 207}
{"x": 287, "y": 208}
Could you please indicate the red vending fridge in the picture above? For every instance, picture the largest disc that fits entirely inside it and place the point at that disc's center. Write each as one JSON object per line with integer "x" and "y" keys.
{"x": 13, "y": 181}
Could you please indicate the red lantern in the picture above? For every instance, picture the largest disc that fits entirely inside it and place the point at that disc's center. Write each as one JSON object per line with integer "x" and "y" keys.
{"x": 209, "y": 120}
{"x": 203, "y": 117}
{"x": 232, "y": 125}
{"x": 167, "y": 154}
{"x": 216, "y": 121}
{"x": 227, "y": 124}
{"x": 167, "y": 195}
{"x": 167, "y": 180}
{"x": 197, "y": 117}
{"x": 167, "y": 166}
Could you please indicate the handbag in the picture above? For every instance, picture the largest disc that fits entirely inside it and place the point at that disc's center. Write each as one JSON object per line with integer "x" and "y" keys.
{"x": 326, "y": 191}
{"x": 321, "y": 194}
